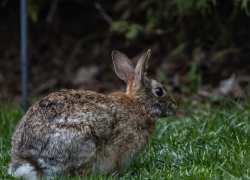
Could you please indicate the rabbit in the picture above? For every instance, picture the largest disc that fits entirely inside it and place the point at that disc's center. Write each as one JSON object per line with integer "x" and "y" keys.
{"x": 78, "y": 132}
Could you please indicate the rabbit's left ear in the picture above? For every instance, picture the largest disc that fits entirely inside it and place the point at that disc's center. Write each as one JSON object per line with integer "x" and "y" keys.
{"x": 124, "y": 68}
{"x": 141, "y": 68}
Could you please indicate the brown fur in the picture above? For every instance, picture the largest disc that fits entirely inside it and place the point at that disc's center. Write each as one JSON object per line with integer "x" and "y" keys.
{"x": 82, "y": 131}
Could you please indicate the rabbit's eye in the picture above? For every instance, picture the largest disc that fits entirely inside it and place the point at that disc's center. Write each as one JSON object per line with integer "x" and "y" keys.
{"x": 159, "y": 91}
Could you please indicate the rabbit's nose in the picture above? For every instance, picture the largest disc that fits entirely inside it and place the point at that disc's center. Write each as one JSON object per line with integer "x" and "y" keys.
{"x": 171, "y": 109}
{"x": 174, "y": 108}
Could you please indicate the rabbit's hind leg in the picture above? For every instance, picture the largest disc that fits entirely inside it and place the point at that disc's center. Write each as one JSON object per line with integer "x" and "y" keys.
{"x": 23, "y": 168}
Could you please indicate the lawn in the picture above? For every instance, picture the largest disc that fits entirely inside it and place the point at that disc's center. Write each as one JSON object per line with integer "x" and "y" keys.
{"x": 208, "y": 142}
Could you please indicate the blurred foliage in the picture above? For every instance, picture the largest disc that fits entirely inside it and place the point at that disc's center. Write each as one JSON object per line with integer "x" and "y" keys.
{"x": 194, "y": 77}
{"x": 185, "y": 24}
{"x": 244, "y": 5}
{"x": 223, "y": 52}
{"x": 191, "y": 6}
{"x": 164, "y": 12}
{"x": 163, "y": 77}
{"x": 131, "y": 30}
{"x": 32, "y": 10}
{"x": 203, "y": 23}
{"x": 194, "y": 43}
{"x": 178, "y": 49}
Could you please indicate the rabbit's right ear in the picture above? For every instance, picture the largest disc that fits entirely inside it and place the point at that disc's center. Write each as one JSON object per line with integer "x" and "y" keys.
{"x": 123, "y": 67}
{"x": 141, "y": 68}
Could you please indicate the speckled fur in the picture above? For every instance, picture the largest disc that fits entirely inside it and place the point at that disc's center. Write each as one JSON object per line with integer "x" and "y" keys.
{"x": 78, "y": 131}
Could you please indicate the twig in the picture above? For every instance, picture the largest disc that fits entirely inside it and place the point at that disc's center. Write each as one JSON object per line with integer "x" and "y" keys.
{"x": 80, "y": 42}
{"x": 103, "y": 13}
{"x": 3, "y": 4}
{"x": 52, "y": 11}
{"x": 44, "y": 86}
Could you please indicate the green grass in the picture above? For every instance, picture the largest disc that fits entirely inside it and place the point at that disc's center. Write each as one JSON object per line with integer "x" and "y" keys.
{"x": 9, "y": 117}
{"x": 208, "y": 143}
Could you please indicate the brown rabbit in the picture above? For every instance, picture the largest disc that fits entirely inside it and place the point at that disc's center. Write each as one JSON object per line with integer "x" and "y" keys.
{"x": 78, "y": 131}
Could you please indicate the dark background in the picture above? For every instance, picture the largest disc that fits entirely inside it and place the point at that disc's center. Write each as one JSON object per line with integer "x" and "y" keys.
{"x": 199, "y": 48}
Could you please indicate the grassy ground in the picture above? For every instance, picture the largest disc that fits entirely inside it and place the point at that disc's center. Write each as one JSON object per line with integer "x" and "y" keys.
{"x": 208, "y": 143}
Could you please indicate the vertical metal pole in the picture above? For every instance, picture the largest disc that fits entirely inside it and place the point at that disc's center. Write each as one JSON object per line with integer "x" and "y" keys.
{"x": 24, "y": 57}
{"x": 249, "y": 43}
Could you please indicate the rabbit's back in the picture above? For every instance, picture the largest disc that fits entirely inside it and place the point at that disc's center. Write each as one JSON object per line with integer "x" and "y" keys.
{"x": 66, "y": 109}
{"x": 63, "y": 129}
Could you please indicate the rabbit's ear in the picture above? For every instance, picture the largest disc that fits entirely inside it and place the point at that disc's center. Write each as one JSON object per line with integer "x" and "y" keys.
{"x": 123, "y": 67}
{"x": 141, "y": 67}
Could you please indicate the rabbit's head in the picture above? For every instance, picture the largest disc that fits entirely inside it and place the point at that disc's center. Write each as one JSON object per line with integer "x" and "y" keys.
{"x": 150, "y": 94}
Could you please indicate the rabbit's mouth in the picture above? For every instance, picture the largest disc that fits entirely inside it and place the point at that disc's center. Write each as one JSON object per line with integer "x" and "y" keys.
{"x": 158, "y": 111}
{"x": 171, "y": 110}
